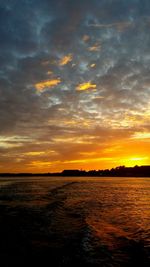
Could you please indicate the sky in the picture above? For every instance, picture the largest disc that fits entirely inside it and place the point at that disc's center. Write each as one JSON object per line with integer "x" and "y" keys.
{"x": 74, "y": 84}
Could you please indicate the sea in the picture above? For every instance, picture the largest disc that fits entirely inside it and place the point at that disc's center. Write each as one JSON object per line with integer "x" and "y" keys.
{"x": 74, "y": 221}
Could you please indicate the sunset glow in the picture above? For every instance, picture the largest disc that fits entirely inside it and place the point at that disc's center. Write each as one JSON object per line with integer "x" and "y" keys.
{"x": 74, "y": 85}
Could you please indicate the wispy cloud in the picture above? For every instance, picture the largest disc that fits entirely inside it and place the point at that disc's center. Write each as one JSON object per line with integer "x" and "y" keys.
{"x": 85, "y": 86}
{"x": 47, "y": 84}
{"x": 120, "y": 26}
{"x": 74, "y": 84}
{"x": 65, "y": 60}
{"x": 94, "y": 48}
{"x": 141, "y": 135}
{"x": 86, "y": 38}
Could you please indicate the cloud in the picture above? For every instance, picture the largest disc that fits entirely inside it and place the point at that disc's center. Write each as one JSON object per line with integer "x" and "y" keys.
{"x": 47, "y": 84}
{"x": 93, "y": 47}
{"x": 120, "y": 26}
{"x": 85, "y": 86}
{"x": 65, "y": 60}
{"x": 141, "y": 135}
{"x": 86, "y": 38}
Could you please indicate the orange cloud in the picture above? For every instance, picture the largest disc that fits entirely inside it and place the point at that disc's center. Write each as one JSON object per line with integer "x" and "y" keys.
{"x": 94, "y": 48}
{"x": 85, "y": 86}
{"x": 86, "y": 38}
{"x": 141, "y": 135}
{"x": 47, "y": 84}
{"x": 65, "y": 60}
{"x": 49, "y": 72}
{"x": 35, "y": 153}
{"x": 93, "y": 65}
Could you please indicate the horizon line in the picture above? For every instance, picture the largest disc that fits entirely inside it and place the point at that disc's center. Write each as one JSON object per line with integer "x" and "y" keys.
{"x": 121, "y": 167}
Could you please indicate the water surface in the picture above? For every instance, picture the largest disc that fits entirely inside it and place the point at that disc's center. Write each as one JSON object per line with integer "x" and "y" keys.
{"x": 58, "y": 221}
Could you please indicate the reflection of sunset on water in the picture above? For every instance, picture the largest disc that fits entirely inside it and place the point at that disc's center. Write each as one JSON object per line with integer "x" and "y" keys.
{"x": 81, "y": 220}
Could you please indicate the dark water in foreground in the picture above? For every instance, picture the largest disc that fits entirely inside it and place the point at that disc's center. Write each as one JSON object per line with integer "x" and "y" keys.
{"x": 75, "y": 222}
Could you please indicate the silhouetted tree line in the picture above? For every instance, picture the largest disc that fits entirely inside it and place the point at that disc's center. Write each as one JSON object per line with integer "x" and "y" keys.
{"x": 121, "y": 171}
{"x": 137, "y": 171}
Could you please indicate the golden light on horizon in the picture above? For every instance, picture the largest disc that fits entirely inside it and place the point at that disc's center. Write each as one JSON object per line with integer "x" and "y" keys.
{"x": 75, "y": 86}
{"x": 73, "y": 151}
{"x": 135, "y": 160}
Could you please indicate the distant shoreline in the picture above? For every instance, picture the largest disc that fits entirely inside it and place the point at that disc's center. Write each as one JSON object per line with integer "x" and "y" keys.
{"x": 121, "y": 171}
